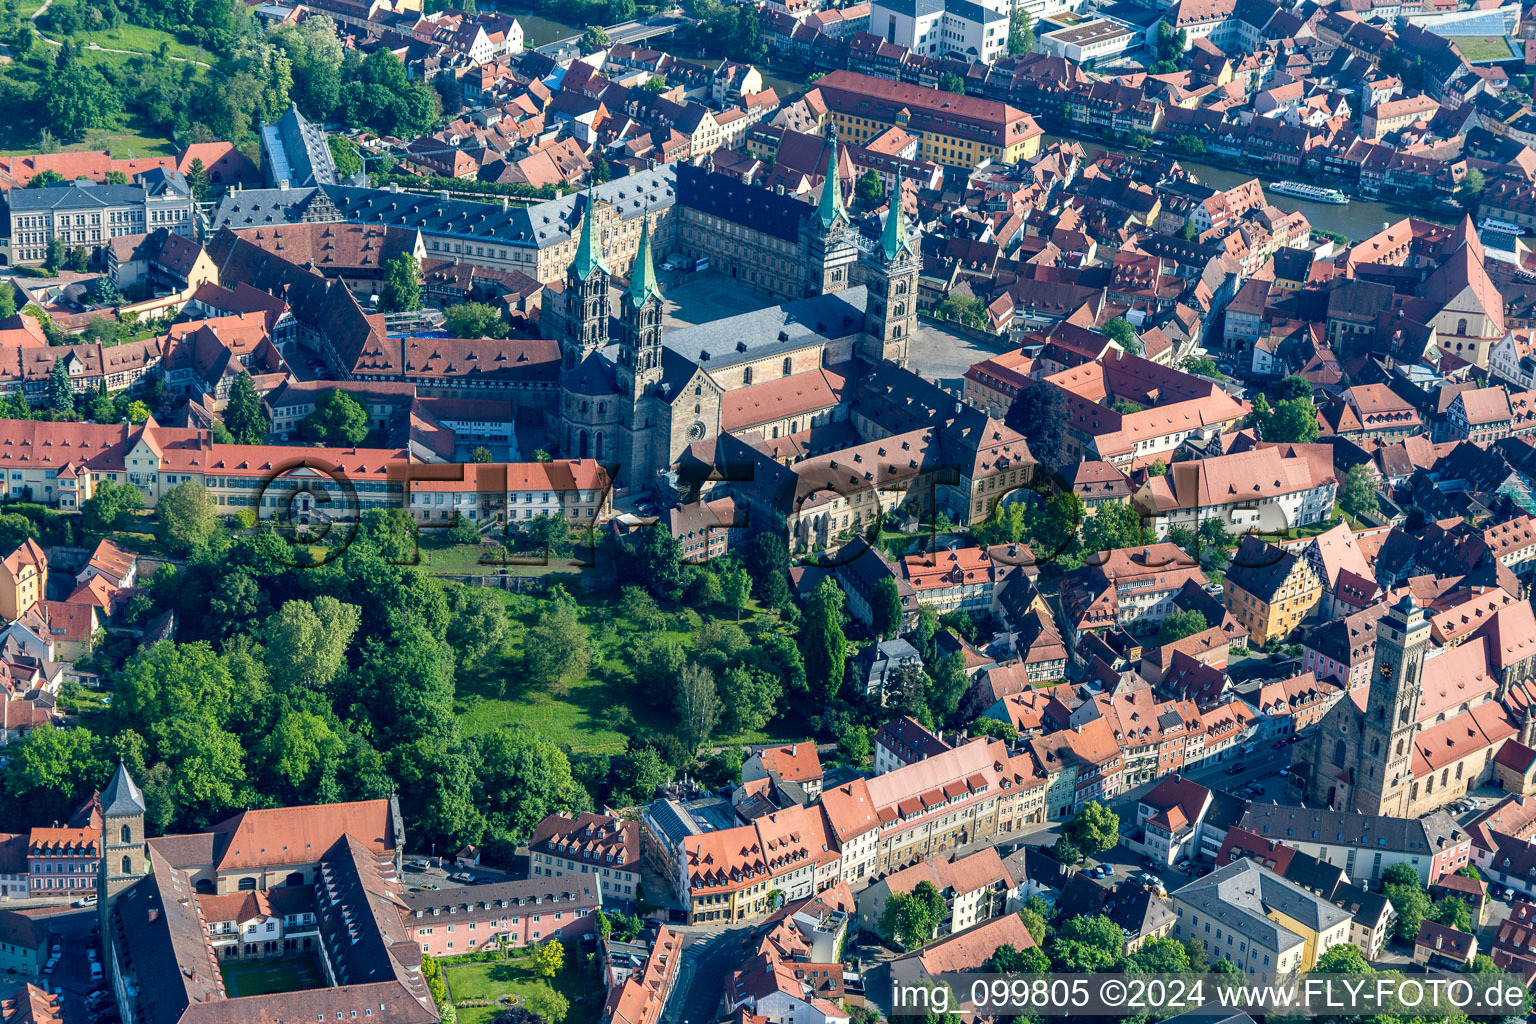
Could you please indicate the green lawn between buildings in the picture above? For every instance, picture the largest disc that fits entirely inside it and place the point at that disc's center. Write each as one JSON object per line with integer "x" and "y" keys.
{"x": 263, "y": 977}
{"x": 487, "y": 981}
{"x": 495, "y": 695}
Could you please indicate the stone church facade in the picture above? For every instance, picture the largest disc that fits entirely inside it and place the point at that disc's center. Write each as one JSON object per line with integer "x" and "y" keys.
{"x": 637, "y": 396}
{"x": 1427, "y": 727}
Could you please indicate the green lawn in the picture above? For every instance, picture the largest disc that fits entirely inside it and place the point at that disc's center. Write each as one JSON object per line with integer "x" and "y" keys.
{"x": 466, "y": 560}
{"x": 135, "y": 139}
{"x": 1476, "y": 48}
{"x": 263, "y": 977}
{"x": 488, "y": 981}
{"x": 496, "y": 695}
{"x": 143, "y": 40}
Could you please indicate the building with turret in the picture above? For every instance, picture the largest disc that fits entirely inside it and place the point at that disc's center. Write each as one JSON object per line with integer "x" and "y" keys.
{"x": 638, "y": 395}
{"x": 1426, "y": 729}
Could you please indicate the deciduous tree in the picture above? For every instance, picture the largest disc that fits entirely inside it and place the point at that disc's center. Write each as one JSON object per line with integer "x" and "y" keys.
{"x": 306, "y": 643}
{"x": 1358, "y": 494}
{"x": 110, "y": 506}
{"x": 698, "y": 704}
{"x": 1094, "y": 828}
{"x": 338, "y": 419}
{"x": 186, "y": 516}
{"x": 402, "y": 284}
{"x": 885, "y": 608}
{"x": 557, "y": 649}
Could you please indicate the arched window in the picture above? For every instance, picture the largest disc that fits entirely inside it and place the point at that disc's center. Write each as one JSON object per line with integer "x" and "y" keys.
{"x": 599, "y": 451}
{"x": 127, "y": 865}
{"x": 1375, "y": 747}
{"x": 746, "y": 376}
{"x": 127, "y": 834}
{"x": 581, "y": 445}
{"x": 1461, "y": 326}
{"x": 247, "y": 884}
{"x": 786, "y": 365}
{"x": 1340, "y": 754}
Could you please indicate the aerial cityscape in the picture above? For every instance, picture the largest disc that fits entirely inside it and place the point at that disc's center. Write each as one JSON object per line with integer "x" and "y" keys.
{"x": 603, "y": 512}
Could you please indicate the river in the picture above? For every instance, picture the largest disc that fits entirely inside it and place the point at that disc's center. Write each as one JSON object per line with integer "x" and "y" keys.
{"x": 1360, "y": 219}
{"x": 539, "y": 29}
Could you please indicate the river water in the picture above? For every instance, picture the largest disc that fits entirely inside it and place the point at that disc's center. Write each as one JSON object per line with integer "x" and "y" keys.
{"x": 1360, "y": 219}
{"x": 539, "y": 29}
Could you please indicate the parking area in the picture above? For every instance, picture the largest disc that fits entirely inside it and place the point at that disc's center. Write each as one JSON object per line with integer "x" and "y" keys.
{"x": 938, "y": 353}
{"x": 429, "y": 873}
{"x": 72, "y": 966}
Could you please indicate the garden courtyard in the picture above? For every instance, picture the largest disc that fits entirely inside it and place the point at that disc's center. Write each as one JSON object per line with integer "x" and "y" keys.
{"x": 275, "y": 974}
{"x": 564, "y": 999}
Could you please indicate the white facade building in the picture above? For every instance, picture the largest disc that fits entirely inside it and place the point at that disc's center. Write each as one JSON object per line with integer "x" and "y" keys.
{"x": 942, "y": 28}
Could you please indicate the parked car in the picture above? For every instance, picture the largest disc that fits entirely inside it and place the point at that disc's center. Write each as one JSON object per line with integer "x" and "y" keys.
{"x": 95, "y": 970}
{"x": 462, "y": 877}
{"x": 86, "y": 901}
{"x": 1497, "y": 891}
{"x": 1235, "y": 769}
{"x": 1109, "y": 869}
{"x": 419, "y": 865}
{"x": 1284, "y": 772}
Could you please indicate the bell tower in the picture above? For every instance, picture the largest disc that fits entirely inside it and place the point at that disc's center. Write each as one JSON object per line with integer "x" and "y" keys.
{"x": 640, "y": 310}
{"x": 124, "y": 854}
{"x": 827, "y": 252}
{"x": 890, "y": 274}
{"x": 1384, "y": 762}
{"x": 586, "y": 296}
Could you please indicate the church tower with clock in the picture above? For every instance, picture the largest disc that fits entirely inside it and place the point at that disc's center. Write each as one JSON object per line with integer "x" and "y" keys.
{"x": 1380, "y": 755}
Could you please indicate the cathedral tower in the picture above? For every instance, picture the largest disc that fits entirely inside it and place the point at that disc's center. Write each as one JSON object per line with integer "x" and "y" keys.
{"x": 124, "y": 855}
{"x": 640, "y": 314}
{"x": 1384, "y": 762}
{"x": 890, "y": 273}
{"x": 639, "y": 367}
{"x": 586, "y": 296}
{"x": 827, "y": 252}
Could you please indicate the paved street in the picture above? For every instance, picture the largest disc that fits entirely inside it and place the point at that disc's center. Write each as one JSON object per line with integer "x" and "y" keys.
{"x": 707, "y": 960}
{"x": 72, "y": 976}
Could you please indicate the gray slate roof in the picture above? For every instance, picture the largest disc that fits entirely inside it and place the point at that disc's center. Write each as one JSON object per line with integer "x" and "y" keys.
{"x": 121, "y": 797}
{"x": 538, "y": 226}
{"x": 1242, "y": 894}
{"x": 86, "y": 195}
{"x": 1424, "y": 836}
{"x": 298, "y": 150}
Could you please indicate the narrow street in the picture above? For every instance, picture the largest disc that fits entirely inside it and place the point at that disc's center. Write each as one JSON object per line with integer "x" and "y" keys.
{"x": 708, "y": 959}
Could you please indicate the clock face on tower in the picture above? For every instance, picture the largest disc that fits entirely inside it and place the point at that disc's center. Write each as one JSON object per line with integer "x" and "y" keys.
{"x": 1386, "y": 669}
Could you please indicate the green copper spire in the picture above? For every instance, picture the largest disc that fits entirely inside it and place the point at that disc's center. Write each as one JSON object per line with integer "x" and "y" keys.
{"x": 830, "y": 209}
{"x": 894, "y": 238}
{"x": 589, "y": 253}
{"x": 642, "y": 277}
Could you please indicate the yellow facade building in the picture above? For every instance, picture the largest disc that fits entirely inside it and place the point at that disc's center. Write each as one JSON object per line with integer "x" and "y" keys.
{"x": 951, "y": 129}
